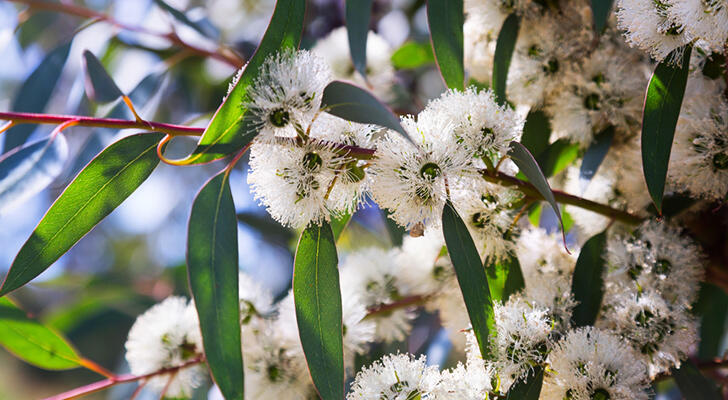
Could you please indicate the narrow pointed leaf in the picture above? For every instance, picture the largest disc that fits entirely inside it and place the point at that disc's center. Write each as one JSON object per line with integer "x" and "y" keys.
{"x": 504, "y": 278}
{"x": 600, "y": 13}
{"x": 536, "y": 132}
{"x": 97, "y": 190}
{"x": 338, "y": 225}
{"x": 528, "y": 388}
{"x": 662, "y": 107}
{"x": 529, "y": 167}
{"x": 712, "y": 307}
{"x": 559, "y": 155}
{"x": 230, "y": 130}
{"x": 587, "y": 282}
{"x": 353, "y": 103}
{"x": 212, "y": 268}
{"x": 35, "y": 93}
{"x": 317, "y": 297}
{"x": 446, "y": 18}
{"x": 594, "y": 156}
{"x": 504, "y": 47}
{"x": 27, "y": 170}
{"x": 100, "y": 87}
{"x": 358, "y": 13}
{"x": 207, "y": 30}
{"x": 693, "y": 384}
{"x": 412, "y": 55}
{"x": 32, "y": 342}
{"x": 471, "y": 276}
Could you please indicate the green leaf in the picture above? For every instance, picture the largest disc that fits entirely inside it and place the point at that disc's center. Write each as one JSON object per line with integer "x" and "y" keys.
{"x": 594, "y": 156}
{"x": 694, "y": 385}
{"x": 662, "y": 107}
{"x": 504, "y": 47}
{"x": 471, "y": 276}
{"x": 358, "y": 13}
{"x": 206, "y": 30}
{"x": 559, "y": 155}
{"x": 712, "y": 307}
{"x": 338, "y": 225}
{"x": 586, "y": 284}
{"x": 267, "y": 226}
{"x": 100, "y": 87}
{"x": 28, "y": 169}
{"x": 229, "y": 130}
{"x": 212, "y": 268}
{"x": 412, "y": 55}
{"x": 536, "y": 132}
{"x": 528, "y": 388}
{"x": 504, "y": 278}
{"x": 32, "y": 342}
{"x": 97, "y": 190}
{"x": 35, "y": 93}
{"x": 600, "y": 13}
{"x": 317, "y": 298}
{"x": 534, "y": 214}
{"x": 446, "y": 19}
{"x": 395, "y": 231}
{"x": 527, "y": 164}
{"x": 353, "y": 103}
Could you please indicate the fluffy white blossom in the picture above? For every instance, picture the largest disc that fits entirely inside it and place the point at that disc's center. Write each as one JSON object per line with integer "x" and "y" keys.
{"x": 706, "y": 20}
{"x": 480, "y": 32}
{"x": 423, "y": 266}
{"x": 255, "y": 299}
{"x": 395, "y": 377}
{"x": 167, "y": 336}
{"x": 593, "y": 364}
{"x": 647, "y": 25}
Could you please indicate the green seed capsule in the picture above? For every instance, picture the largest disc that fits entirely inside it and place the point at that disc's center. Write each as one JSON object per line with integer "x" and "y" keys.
{"x": 312, "y": 161}
{"x": 430, "y": 171}
{"x": 354, "y": 172}
{"x": 279, "y": 118}
{"x": 591, "y": 101}
{"x": 720, "y": 161}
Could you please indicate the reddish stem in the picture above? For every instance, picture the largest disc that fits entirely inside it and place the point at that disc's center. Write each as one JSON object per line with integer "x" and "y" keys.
{"x": 404, "y": 302}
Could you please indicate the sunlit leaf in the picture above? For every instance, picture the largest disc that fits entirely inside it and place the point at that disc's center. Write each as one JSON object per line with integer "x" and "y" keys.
{"x": 559, "y": 155}
{"x": 358, "y": 13}
{"x": 317, "y": 297}
{"x": 97, "y": 190}
{"x": 504, "y": 47}
{"x": 536, "y": 132}
{"x": 504, "y": 278}
{"x": 586, "y": 284}
{"x": 413, "y": 55}
{"x": 340, "y": 223}
{"x": 446, "y": 18}
{"x": 212, "y": 267}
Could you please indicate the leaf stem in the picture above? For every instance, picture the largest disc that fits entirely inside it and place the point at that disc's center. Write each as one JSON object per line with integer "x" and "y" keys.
{"x": 401, "y": 303}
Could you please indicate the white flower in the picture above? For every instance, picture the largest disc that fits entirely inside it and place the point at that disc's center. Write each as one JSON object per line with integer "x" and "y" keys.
{"x": 547, "y": 271}
{"x": 482, "y": 25}
{"x": 166, "y": 336}
{"x": 292, "y": 180}
{"x": 255, "y": 300}
{"x": 465, "y": 382}
{"x": 409, "y": 180}
{"x": 395, "y": 377}
{"x": 699, "y": 159}
{"x": 452, "y": 312}
{"x": 706, "y": 20}
{"x": 593, "y": 364}
{"x": 286, "y": 95}
{"x": 334, "y": 48}
{"x": 647, "y": 25}
{"x": 661, "y": 335}
{"x": 422, "y": 268}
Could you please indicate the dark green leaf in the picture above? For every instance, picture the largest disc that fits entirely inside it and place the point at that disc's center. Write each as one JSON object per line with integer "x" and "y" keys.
{"x": 97, "y": 190}
{"x": 35, "y": 93}
{"x": 526, "y": 163}
{"x": 358, "y": 13}
{"x": 33, "y": 342}
{"x": 586, "y": 284}
{"x": 100, "y": 86}
{"x": 504, "y": 278}
{"x": 536, "y": 132}
{"x": 338, "y": 225}
{"x": 395, "y": 231}
{"x": 594, "y": 156}
{"x": 412, "y": 55}
{"x": 673, "y": 204}
{"x": 317, "y": 297}
{"x": 662, "y": 107}
{"x": 504, "y": 47}
{"x": 528, "y": 388}
{"x": 559, "y": 155}
{"x": 146, "y": 89}
{"x": 471, "y": 276}
{"x": 714, "y": 64}
{"x": 600, "y": 13}
{"x": 353, "y": 103}
{"x": 203, "y": 29}
{"x": 229, "y": 130}
{"x": 694, "y": 385}
{"x": 267, "y": 226}
{"x": 446, "y": 19}
{"x": 713, "y": 310}
{"x": 29, "y": 169}
{"x": 212, "y": 268}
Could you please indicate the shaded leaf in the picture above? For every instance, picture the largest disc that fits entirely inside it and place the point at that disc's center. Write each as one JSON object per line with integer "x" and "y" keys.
{"x": 31, "y": 341}
{"x": 694, "y": 385}
{"x": 712, "y": 307}
{"x": 446, "y": 18}
{"x": 662, "y": 107}
{"x": 536, "y": 132}
{"x": 504, "y": 47}
{"x": 229, "y": 130}
{"x": 600, "y": 13}
{"x": 35, "y": 93}
{"x": 353, "y": 103}
{"x": 27, "y": 170}
{"x": 395, "y": 231}
{"x": 358, "y": 13}
{"x": 97, "y": 190}
{"x": 207, "y": 30}
{"x": 212, "y": 268}
{"x": 594, "y": 156}
{"x": 528, "y": 388}
{"x": 266, "y": 226}
{"x": 412, "y": 55}
{"x": 100, "y": 87}
{"x": 317, "y": 297}
{"x": 586, "y": 284}
{"x": 471, "y": 276}
{"x": 504, "y": 278}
